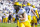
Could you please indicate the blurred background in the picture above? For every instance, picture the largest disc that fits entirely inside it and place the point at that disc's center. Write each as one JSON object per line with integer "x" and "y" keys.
{"x": 8, "y": 6}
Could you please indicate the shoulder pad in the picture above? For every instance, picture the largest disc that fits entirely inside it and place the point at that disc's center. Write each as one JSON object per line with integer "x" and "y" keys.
{"x": 21, "y": 11}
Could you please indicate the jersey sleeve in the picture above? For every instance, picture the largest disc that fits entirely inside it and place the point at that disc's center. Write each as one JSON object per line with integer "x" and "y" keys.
{"x": 22, "y": 11}
{"x": 31, "y": 7}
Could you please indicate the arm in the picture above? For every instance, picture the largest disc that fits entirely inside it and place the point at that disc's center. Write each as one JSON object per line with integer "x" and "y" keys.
{"x": 33, "y": 12}
{"x": 23, "y": 16}
{"x": 37, "y": 13}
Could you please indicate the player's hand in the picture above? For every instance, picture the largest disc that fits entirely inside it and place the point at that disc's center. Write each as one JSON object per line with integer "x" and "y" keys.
{"x": 35, "y": 14}
{"x": 20, "y": 18}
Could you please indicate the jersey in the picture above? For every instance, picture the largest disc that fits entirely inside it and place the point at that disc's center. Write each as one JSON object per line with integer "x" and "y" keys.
{"x": 34, "y": 9}
{"x": 4, "y": 16}
{"x": 7, "y": 15}
{"x": 28, "y": 10}
{"x": 14, "y": 15}
{"x": 20, "y": 12}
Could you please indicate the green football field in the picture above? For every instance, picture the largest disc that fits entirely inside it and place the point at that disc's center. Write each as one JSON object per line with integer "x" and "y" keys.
{"x": 11, "y": 25}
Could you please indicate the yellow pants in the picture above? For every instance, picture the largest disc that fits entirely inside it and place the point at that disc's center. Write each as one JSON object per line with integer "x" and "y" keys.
{"x": 34, "y": 20}
{"x": 25, "y": 24}
{"x": 13, "y": 19}
{"x": 21, "y": 25}
{"x": 4, "y": 20}
{"x": 29, "y": 18}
